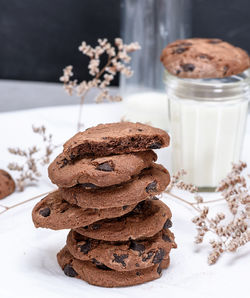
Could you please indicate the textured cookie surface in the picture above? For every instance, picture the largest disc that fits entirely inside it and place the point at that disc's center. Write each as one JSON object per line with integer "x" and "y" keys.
{"x": 145, "y": 220}
{"x": 55, "y": 213}
{"x": 7, "y": 184}
{"x": 102, "y": 171}
{"x": 122, "y": 256}
{"x": 100, "y": 275}
{"x": 149, "y": 183}
{"x": 204, "y": 58}
{"x": 115, "y": 138}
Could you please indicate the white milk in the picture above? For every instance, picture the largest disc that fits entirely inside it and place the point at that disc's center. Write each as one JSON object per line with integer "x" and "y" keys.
{"x": 206, "y": 138}
{"x": 208, "y": 119}
{"x": 147, "y": 107}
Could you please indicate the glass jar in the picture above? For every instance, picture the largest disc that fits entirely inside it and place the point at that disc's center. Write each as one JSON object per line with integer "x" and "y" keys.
{"x": 153, "y": 23}
{"x": 208, "y": 119}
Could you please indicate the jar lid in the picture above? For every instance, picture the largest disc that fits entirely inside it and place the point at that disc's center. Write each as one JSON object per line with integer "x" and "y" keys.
{"x": 210, "y": 89}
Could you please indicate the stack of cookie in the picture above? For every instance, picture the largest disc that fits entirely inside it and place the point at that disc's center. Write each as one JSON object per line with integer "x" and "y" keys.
{"x": 108, "y": 180}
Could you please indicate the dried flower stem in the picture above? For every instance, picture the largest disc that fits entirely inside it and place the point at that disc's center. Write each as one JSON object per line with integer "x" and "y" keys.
{"x": 6, "y": 208}
{"x": 193, "y": 203}
{"x": 209, "y": 201}
{"x": 29, "y": 170}
{"x": 117, "y": 60}
{"x": 182, "y": 200}
{"x": 79, "y": 124}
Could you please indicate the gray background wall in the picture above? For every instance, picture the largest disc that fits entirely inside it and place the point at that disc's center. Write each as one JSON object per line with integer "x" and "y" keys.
{"x": 39, "y": 37}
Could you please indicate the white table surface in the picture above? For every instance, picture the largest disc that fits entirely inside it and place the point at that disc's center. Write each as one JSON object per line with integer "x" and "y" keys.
{"x": 28, "y": 255}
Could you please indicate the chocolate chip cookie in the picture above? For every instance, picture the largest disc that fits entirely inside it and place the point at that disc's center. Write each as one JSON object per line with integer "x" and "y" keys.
{"x": 55, "y": 213}
{"x": 115, "y": 138}
{"x": 145, "y": 220}
{"x": 204, "y": 58}
{"x": 122, "y": 256}
{"x": 149, "y": 182}
{"x": 102, "y": 171}
{"x": 7, "y": 184}
{"x": 98, "y": 274}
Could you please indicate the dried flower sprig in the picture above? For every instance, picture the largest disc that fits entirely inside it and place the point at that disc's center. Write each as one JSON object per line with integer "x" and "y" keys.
{"x": 230, "y": 233}
{"x": 29, "y": 171}
{"x": 117, "y": 60}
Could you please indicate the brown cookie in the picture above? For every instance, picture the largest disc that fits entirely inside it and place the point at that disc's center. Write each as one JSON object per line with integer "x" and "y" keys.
{"x": 102, "y": 171}
{"x": 145, "y": 220}
{"x": 115, "y": 138}
{"x": 55, "y": 213}
{"x": 7, "y": 184}
{"x": 122, "y": 256}
{"x": 204, "y": 58}
{"x": 149, "y": 183}
{"x": 100, "y": 275}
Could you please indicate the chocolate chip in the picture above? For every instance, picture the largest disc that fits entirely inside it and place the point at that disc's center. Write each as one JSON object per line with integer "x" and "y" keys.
{"x": 168, "y": 224}
{"x": 45, "y": 212}
{"x": 63, "y": 163}
{"x": 94, "y": 261}
{"x": 69, "y": 271}
{"x": 138, "y": 273}
{"x": 166, "y": 238}
{"x": 159, "y": 270}
{"x": 151, "y": 187}
{"x": 104, "y": 138}
{"x": 156, "y": 145}
{"x": 214, "y": 41}
{"x": 185, "y": 44}
{"x": 149, "y": 256}
{"x": 139, "y": 129}
{"x": 96, "y": 227}
{"x": 72, "y": 156}
{"x": 88, "y": 185}
{"x": 137, "y": 247}
{"x": 179, "y": 50}
{"x": 155, "y": 198}
{"x": 125, "y": 207}
{"x": 188, "y": 67}
{"x": 120, "y": 259}
{"x": 178, "y": 71}
{"x": 103, "y": 267}
{"x": 100, "y": 265}
{"x": 137, "y": 265}
{"x": 105, "y": 166}
{"x": 85, "y": 248}
{"x": 226, "y": 67}
{"x": 205, "y": 56}
{"x": 159, "y": 255}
